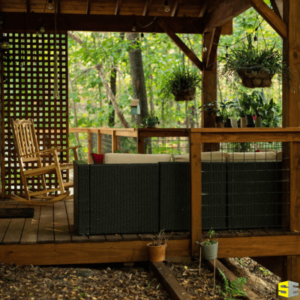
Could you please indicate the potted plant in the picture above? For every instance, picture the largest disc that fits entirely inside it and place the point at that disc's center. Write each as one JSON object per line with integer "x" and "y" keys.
{"x": 271, "y": 114}
{"x": 247, "y": 103}
{"x": 210, "y": 246}
{"x": 236, "y": 113}
{"x": 259, "y": 103}
{"x": 182, "y": 83}
{"x": 157, "y": 248}
{"x": 151, "y": 121}
{"x": 256, "y": 67}
{"x": 219, "y": 109}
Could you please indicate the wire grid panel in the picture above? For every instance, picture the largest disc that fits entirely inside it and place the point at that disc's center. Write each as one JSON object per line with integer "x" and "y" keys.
{"x": 106, "y": 143}
{"x": 28, "y": 72}
{"x": 167, "y": 145}
{"x": 256, "y": 185}
{"x": 126, "y": 144}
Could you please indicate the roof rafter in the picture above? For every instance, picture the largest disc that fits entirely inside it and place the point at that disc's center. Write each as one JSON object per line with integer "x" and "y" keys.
{"x": 203, "y": 8}
{"x": 118, "y": 7}
{"x": 175, "y": 8}
{"x": 224, "y": 13}
{"x": 147, "y": 7}
{"x": 271, "y": 17}
{"x": 88, "y": 7}
{"x": 180, "y": 44}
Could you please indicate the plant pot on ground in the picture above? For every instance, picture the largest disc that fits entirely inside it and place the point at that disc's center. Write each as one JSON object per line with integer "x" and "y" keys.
{"x": 210, "y": 246}
{"x": 181, "y": 83}
{"x": 255, "y": 66}
{"x": 157, "y": 248}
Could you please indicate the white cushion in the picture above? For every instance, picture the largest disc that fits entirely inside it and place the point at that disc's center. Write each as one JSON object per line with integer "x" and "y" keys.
{"x": 124, "y": 158}
{"x": 251, "y": 156}
{"x": 279, "y": 156}
{"x": 216, "y": 156}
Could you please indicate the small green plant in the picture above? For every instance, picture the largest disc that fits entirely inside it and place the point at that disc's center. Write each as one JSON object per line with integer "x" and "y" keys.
{"x": 151, "y": 120}
{"x": 218, "y": 108}
{"x": 212, "y": 238}
{"x": 180, "y": 79}
{"x": 161, "y": 238}
{"x": 264, "y": 271}
{"x": 234, "y": 289}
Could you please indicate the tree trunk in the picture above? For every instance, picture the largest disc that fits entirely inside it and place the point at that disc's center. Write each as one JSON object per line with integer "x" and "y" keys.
{"x": 137, "y": 75}
{"x": 111, "y": 96}
{"x": 113, "y": 86}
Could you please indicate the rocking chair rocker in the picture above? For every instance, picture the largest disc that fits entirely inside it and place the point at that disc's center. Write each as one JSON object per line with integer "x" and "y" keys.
{"x": 28, "y": 151}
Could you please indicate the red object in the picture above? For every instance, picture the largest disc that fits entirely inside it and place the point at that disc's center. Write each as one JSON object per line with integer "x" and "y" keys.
{"x": 98, "y": 158}
{"x": 257, "y": 150}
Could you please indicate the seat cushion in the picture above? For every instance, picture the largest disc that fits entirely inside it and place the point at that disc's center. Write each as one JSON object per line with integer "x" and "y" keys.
{"x": 214, "y": 156}
{"x": 251, "y": 156}
{"x": 121, "y": 158}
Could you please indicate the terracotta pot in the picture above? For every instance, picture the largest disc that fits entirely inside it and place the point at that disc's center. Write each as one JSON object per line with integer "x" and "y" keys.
{"x": 243, "y": 122}
{"x": 186, "y": 95}
{"x": 156, "y": 253}
{"x": 254, "y": 79}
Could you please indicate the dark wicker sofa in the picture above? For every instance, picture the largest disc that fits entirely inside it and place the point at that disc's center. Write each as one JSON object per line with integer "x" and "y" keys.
{"x": 145, "y": 198}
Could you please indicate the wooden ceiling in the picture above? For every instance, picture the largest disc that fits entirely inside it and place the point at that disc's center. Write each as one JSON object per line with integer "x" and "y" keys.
{"x": 179, "y": 8}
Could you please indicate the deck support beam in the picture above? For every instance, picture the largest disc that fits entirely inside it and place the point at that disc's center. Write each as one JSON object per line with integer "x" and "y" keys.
{"x": 291, "y": 118}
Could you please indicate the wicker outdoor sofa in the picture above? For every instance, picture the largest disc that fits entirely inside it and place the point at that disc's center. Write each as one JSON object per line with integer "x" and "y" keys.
{"x": 138, "y": 193}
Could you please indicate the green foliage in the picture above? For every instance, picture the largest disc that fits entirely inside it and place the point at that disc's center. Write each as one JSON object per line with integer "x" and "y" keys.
{"x": 254, "y": 59}
{"x": 233, "y": 289}
{"x": 212, "y": 239}
{"x": 179, "y": 79}
{"x": 218, "y": 108}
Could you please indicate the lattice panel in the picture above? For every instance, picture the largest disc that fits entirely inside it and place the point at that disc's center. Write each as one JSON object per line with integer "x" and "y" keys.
{"x": 28, "y": 70}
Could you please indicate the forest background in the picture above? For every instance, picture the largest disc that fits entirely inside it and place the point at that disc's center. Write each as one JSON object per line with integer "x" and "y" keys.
{"x": 108, "y": 70}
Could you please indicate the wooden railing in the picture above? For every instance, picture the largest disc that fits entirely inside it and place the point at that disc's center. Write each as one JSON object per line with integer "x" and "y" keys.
{"x": 113, "y": 132}
{"x": 198, "y": 137}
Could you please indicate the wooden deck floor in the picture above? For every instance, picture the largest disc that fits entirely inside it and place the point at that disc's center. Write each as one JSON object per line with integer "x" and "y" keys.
{"x": 55, "y": 224}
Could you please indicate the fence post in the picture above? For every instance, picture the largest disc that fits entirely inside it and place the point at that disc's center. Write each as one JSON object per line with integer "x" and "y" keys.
{"x": 140, "y": 143}
{"x": 196, "y": 191}
{"x": 89, "y": 147}
{"x": 114, "y": 141}
{"x": 99, "y": 141}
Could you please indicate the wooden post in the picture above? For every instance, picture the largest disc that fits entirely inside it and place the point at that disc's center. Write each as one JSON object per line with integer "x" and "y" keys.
{"x": 99, "y": 142}
{"x": 114, "y": 141}
{"x": 291, "y": 118}
{"x": 209, "y": 87}
{"x": 196, "y": 191}
{"x": 89, "y": 147}
{"x": 140, "y": 144}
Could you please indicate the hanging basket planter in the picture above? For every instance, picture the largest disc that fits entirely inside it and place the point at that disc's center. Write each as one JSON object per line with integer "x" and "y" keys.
{"x": 186, "y": 95}
{"x": 256, "y": 79}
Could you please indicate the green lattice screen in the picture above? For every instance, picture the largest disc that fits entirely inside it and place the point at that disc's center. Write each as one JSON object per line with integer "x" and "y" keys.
{"x": 28, "y": 94}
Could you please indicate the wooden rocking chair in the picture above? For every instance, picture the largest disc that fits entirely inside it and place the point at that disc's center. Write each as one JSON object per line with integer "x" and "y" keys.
{"x": 28, "y": 151}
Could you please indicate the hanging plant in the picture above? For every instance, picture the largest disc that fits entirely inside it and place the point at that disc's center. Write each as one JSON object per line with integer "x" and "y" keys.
{"x": 182, "y": 84}
{"x": 256, "y": 67}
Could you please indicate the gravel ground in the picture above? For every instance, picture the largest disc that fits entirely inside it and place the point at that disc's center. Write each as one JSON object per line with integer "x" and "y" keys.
{"x": 114, "y": 282}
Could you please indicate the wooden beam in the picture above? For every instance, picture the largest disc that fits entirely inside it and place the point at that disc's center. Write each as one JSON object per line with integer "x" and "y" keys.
{"x": 147, "y": 7}
{"x": 180, "y": 44}
{"x": 196, "y": 191}
{"x": 88, "y": 7}
{"x": 203, "y": 8}
{"x": 118, "y": 7}
{"x": 28, "y": 6}
{"x": 275, "y": 8}
{"x": 175, "y": 8}
{"x": 58, "y": 6}
{"x": 171, "y": 284}
{"x": 225, "y": 12}
{"x": 105, "y": 23}
{"x": 213, "y": 48}
{"x": 271, "y": 17}
{"x": 86, "y": 253}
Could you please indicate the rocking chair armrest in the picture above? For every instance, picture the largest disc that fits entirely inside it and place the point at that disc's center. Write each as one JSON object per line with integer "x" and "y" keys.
{"x": 70, "y": 148}
{"x": 42, "y": 152}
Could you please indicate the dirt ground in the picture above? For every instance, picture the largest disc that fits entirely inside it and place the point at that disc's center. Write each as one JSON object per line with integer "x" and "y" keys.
{"x": 202, "y": 286}
{"x": 99, "y": 282}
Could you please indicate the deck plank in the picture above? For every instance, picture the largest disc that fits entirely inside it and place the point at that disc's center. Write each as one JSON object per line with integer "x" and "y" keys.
{"x": 15, "y": 229}
{"x": 46, "y": 232}
{"x": 114, "y": 238}
{"x": 146, "y": 237}
{"x": 74, "y": 236}
{"x": 97, "y": 238}
{"x": 4, "y": 223}
{"x": 30, "y": 231}
{"x": 130, "y": 237}
{"x": 61, "y": 224}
